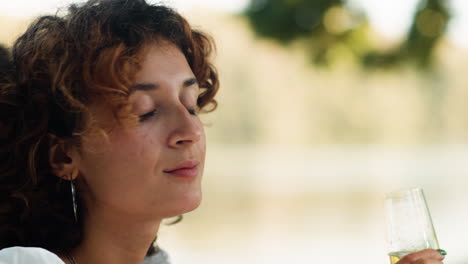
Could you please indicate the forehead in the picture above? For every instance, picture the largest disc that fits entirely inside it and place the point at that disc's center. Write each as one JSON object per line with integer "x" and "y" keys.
{"x": 162, "y": 60}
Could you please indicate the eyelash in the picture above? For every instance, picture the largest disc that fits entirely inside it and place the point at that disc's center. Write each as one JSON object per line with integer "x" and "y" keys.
{"x": 192, "y": 111}
{"x": 148, "y": 115}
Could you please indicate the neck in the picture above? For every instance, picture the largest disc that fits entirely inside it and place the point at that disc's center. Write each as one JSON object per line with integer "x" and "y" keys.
{"x": 112, "y": 238}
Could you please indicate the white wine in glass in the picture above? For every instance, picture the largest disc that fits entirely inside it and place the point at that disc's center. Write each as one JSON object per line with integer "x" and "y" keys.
{"x": 409, "y": 224}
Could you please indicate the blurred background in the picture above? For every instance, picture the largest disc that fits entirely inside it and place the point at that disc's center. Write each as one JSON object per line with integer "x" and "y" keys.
{"x": 324, "y": 106}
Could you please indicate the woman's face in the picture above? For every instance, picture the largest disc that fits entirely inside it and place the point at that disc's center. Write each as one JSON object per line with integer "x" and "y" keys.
{"x": 155, "y": 168}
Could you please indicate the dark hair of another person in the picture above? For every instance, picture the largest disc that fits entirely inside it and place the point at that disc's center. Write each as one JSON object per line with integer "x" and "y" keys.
{"x": 55, "y": 70}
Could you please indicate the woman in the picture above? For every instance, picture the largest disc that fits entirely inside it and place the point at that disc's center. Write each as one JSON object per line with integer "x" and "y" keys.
{"x": 100, "y": 138}
{"x": 100, "y": 135}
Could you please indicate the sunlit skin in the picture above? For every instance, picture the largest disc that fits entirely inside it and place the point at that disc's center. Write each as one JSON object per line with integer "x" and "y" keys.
{"x": 131, "y": 183}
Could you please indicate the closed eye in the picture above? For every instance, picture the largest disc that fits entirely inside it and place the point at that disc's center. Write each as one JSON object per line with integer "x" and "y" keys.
{"x": 148, "y": 115}
{"x": 192, "y": 111}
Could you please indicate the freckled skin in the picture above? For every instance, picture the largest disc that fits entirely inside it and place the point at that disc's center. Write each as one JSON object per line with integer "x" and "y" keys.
{"x": 126, "y": 176}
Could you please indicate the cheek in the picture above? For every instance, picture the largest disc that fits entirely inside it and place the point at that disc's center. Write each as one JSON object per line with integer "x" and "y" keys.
{"x": 135, "y": 150}
{"x": 127, "y": 168}
{"x": 126, "y": 155}
{"x": 203, "y": 142}
{"x": 202, "y": 148}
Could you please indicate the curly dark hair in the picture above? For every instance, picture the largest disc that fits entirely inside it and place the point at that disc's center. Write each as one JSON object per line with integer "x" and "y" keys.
{"x": 4, "y": 58}
{"x": 55, "y": 70}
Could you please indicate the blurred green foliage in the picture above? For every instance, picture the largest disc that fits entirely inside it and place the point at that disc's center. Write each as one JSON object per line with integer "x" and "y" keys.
{"x": 329, "y": 28}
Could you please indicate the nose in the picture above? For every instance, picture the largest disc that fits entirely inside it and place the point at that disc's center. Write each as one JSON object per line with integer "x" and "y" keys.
{"x": 186, "y": 131}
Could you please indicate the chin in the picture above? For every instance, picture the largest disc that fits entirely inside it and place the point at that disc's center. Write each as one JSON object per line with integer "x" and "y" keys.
{"x": 187, "y": 204}
{"x": 193, "y": 201}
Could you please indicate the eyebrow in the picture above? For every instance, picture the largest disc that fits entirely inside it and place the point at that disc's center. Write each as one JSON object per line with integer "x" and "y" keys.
{"x": 154, "y": 86}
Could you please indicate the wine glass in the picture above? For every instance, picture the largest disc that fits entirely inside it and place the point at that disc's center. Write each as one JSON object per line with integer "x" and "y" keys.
{"x": 409, "y": 223}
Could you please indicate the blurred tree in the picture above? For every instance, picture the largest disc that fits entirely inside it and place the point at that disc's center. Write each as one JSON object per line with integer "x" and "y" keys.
{"x": 330, "y": 26}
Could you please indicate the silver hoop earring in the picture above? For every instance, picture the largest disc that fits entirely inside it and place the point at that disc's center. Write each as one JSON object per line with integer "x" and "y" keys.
{"x": 74, "y": 201}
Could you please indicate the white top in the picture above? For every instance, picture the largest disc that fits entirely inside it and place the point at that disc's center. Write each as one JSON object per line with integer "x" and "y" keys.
{"x": 35, "y": 255}
{"x": 28, "y": 255}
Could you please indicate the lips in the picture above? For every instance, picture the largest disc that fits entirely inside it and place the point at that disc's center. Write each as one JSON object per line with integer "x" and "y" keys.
{"x": 185, "y": 169}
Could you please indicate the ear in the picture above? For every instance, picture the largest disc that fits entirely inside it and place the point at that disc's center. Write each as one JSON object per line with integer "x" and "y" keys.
{"x": 62, "y": 159}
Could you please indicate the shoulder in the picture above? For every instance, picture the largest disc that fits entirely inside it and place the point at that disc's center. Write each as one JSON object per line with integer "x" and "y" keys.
{"x": 27, "y": 255}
